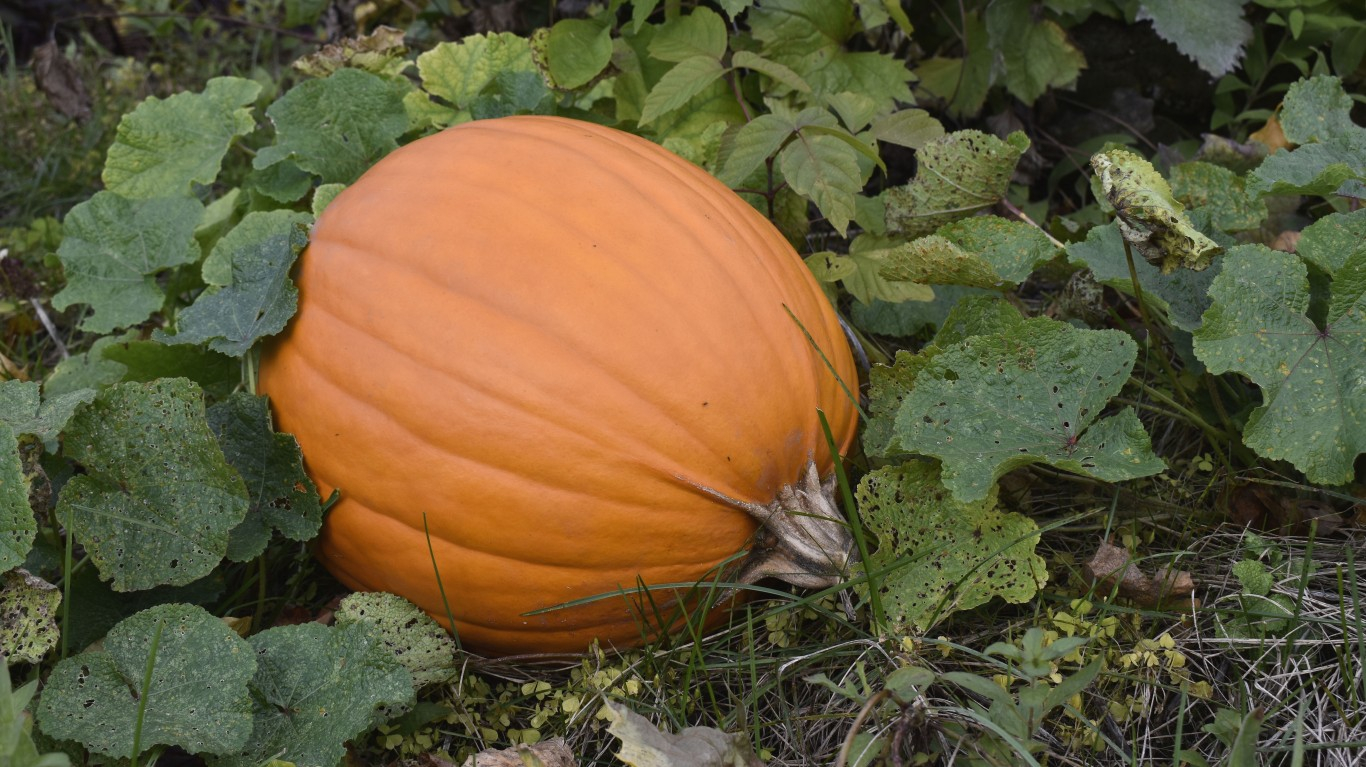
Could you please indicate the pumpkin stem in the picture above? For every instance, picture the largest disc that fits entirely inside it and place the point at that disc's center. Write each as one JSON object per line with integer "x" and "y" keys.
{"x": 803, "y": 538}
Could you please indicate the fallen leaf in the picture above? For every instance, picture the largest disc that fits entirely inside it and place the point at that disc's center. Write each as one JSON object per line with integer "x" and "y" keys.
{"x": 56, "y": 76}
{"x": 1261, "y": 508}
{"x": 551, "y": 753}
{"x": 1271, "y": 135}
{"x": 1113, "y": 569}
{"x": 1286, "y": 241}
{"x": 644, "y": 745}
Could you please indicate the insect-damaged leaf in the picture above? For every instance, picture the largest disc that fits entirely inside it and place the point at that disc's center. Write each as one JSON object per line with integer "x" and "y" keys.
{"x": 1150, "y": 217}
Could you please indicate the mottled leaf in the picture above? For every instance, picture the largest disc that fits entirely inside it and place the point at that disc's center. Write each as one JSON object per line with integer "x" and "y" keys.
{"x": 957, "y": 175}
{"x": 21, "y": 409}
{"x": 645, "y": 745}
{"x": 28, "y": 619}
{"x": 459, "y": 72}
{"x": 1317, "y": 109}
{"x": 416, "y": 641}
{"x": 1221, "y": 193}
{"x": 17, "y": 525}
{"x": 1328, "y": 242}
{"x": 1150, "y": 218}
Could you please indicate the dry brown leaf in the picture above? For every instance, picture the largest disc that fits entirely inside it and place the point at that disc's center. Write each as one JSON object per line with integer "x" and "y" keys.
{"x": 644, "y": 745}
{"x": 1271, "y": 135}
{"x": 1286, "y": 241}
{"x": 1262, "y": 508}
{"x": 1113, "y": 569}
{"x": 56, "y": 76}
{"x": 550, "y": 753}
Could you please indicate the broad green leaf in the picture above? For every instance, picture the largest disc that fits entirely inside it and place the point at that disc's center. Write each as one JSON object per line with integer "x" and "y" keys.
{"x": 112, "y": 250}
{"x": 88, "y": 369}
{"x": 157, "y": 499}
{"x": 577, "y": 50}
{"x": 910, "y": 318}
{"x": 316, "y": 688}
{"x": 1220, "y": 192}
{"x": 1317, "y": 109}
{"x": 416, "y": 641}
{"x": 958, "y": 175}
{"x": 780, "y": 73}
{"x": 28, "y": 617}
{"x": 458, "y": 72}
{"x": 1314, "y": 404}
{"x": 1150, "y": 218}
{"x": 1182, "y": 294}
{"x": 855, "y": 110}
{"x": 754, "y": 142}
{"x": 912, "y": 128}
{"x": 1328, "y": 242}
{"x": 962, "y": 83}
{"x": 1013, "y": 249}
{"x": 1035, "y": 53}
{"x": 700, "y": 33}
{"x": 282, "y": 497}
{"x": 324, "y": 195}
{"x": 338, "y": 127}
{"x": 95, "y": 608}
{"x": 936, "y": 260}
{"x": 997, "y": 402}
{"x": 1324, "y": 169}
{"x": 679, "y": 85}
{"x": 865, "y": 273}
{"x": 1212, "y": 32}
{"x": 17, "y": 747}
{"x": 197, "y": 698}
{"x": 165, "y": 146}
{"x": 825, "y": 170}
{"x": 217, "y": 374}
{"x": 22, "y": 411}
{"x": 261, "y": 297}
{"x": 937, "y": 555}
{"x": 283, "y": 182}
{"x": 17, "y": 525}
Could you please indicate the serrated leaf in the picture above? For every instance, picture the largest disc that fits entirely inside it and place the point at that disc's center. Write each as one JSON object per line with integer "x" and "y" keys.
{"x": 679, "y": 85}
{"x": 17, "y": 525}
{"x": 316, "y": 688}
{"x": 957, "y": 175}
{"x": 197, "y": 699}
{"x": 1182, "y": 294}
{"x": 1211, "y": 32}
{"x": 871, "y": 279}
{"x": 577, "y": 50}
{"x": 22, "y": 409}
{"x": 157, "y": 499}
{"x": 998, "y": 402}
{"x": 336, "y": 128}
{"x": 1328, "y": 242}
{"x": 1253, "y": 576}
{"x": 1314, "y": 406}
{"x": 825, "y": 170}
{"x": 913, "y": 128}
{"x": 459, "y": 72}
{"x": 1221, "y": 192}
{"x": 754, "y": 142}
{"x": 1316, "y": 109}
{"x": 282, "y": 497}
{"x": 936, "y": 555}
{"x": 113, "y": 248}
{"x": 780, "y": 73}
{"x": 700, "y": 33}
{"x": 1035, "y": 53}
{"x": 416, "y": 641}
{"x": 28, "y": 620}
{"x": 1150, "y": 218}
{"x": 261, "y": 298}
{"x": 165, "y": 146}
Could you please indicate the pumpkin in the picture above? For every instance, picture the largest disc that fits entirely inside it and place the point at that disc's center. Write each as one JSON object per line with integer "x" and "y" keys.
{"x": 549, "y": 360}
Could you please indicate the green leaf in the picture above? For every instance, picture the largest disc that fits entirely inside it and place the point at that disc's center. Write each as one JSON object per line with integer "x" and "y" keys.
{"x": 679, "y": 85}
{"x": 157, "y": 499}
{"x": 1011, "y": 250}
{"x": 1325, "y": 169}
{"x": 459, "y": 72}
{"x": 577, "y": 50}
{"x": 1035, "y": 53}
{"x": 825, "y": 170}
{"x": 998, "y": 402}
{"x": 113, "y": 248}
{"x": 754, "y": 142}
{"x": 416, "y": 641}
{"x": 700, "y": 33}
{"x": 165, "y": 146}
{"x": 936, "y": 260}
{"x": 88, "y": 369}
{"x": 913, "y": 128}
{"x": 780, "y": 73}
{"x": 865, "y": 273}
{"x": 1328, "y": 242}
{"x": 316, "y": 688}
{"x": 962, "y": 83}
{"x": 1211, "y": 32}
{"x": 1219, "y": 191}
{"x": 1182, "y": 294}
{"x": 282, "y": 497}
{"x": 1149, "y": 216}
{"x": 217, "y": 374}
{"x": 261, "y": 298}
{"x": 283, "y": 182}
{"x": 1314, "y": 407}
{"x": 1317, "y": 109}
{"x": 910, "y": 318}
{"x": 338, "y": 127}
{"x": 937, "y": 556}
{"x": 197, "y": 698}
{"x": 28, "y": 618}
{"x": 17, "y": 748}
{"x": 957, "y": 175}
{"x": 21, "y": 410}
{"x": 1253, "y": 576}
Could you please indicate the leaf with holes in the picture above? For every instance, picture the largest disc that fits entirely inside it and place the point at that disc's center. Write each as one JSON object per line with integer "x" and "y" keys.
{"x": 998, "y": 402}
{"x": 282, "y": 496}
{"x": 937, "y": 555}
{"x": 958, "y": 175}
{"x": 1328, "y": 242}
{"x": 28, "y": 618}
{"x": 417, "y": 641}
{"x": 157, "y": 499}
{"x": 1149, "y": 216}
{"x": 1219, "y": 191}
{"x": 197, "y": 699}
{"x": 1314, "y": 401}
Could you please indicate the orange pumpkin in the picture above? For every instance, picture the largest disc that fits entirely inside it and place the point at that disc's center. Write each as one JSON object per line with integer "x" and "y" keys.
{"x": 572, "y": 351}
